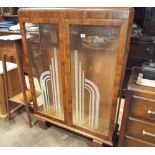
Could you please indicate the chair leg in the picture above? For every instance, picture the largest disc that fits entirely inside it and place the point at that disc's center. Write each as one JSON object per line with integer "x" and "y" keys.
{"x": 8, "y": 110}
{"x": 28, "y": 115}
{"x": 6, "y": 86}
{"x": 23, "y": 84}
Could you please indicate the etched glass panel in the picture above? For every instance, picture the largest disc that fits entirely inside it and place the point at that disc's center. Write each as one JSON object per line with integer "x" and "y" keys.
{"x": 43, "y": 43}
{"x": 93, "y": 61}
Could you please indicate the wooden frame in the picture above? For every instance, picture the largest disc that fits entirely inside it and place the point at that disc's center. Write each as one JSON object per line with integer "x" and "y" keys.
{"x": 120, "y": 17}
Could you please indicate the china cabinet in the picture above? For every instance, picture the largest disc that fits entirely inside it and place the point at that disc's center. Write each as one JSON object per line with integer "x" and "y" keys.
{"x": 77, "y": 56}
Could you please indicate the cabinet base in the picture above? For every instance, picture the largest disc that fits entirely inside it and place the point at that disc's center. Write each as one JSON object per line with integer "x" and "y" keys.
{"x": 97, "y": 141}
{"x": 43, "y": 124}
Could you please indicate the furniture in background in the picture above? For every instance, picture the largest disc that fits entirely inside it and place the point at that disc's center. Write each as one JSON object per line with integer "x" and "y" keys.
{"x": 9, "y": 13}
{"x": 142, "y": 45}
{"x": 145, "y": 17}
{"x": 14, "y": 88}
{"x": 1, "y": 14}
{"x": 140, "y": 51}
{"x": 81, "y": 58}
{"x": 10, "y": 46}
{"x": 138, "y": 121}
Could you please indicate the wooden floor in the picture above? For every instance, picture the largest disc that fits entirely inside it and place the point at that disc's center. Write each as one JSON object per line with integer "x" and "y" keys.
{"x": 17, "y": 133}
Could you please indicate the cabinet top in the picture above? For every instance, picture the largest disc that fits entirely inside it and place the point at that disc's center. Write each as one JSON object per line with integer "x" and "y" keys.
{"x": 133, "y": 86}
{"x": 76, "y": 13}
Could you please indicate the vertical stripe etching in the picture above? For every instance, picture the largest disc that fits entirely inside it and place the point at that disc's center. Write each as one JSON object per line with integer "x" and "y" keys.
{"x": 53, "y": 77}
{"x": 82, "y": 83}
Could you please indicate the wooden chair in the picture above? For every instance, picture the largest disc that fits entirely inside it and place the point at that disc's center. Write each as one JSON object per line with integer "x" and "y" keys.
{"x": 13, "y": 48}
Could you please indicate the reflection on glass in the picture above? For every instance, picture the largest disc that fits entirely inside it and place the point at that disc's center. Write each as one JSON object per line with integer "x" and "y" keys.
{"x": 93, "y": 58}
{"x": 43, "y": 46}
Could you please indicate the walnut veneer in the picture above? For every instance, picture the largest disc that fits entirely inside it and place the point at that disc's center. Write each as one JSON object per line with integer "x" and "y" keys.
{"x": 79, "y": 58}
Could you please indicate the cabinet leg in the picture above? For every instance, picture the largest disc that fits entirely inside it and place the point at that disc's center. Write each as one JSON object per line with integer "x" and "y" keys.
{"x": 96, "y": 143}
{"x": 115, "y": 136}
{"x": 43, "y": 124}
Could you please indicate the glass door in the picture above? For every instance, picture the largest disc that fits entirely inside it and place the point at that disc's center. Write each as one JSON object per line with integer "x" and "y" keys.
{"x": 43, "y": 46}
{"x": 93, "y": 60}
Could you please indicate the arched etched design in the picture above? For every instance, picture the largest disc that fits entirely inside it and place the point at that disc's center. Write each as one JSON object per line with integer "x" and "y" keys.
{"x": 45, "y": 76}
{"x": 97, "y": 101}
{"x": 90, "y": 98}
{"x": 91, "y": 105}
{"x": 47, "y": 94}
{"x": 53, "y": 77}
{"x": 82, "y": 83}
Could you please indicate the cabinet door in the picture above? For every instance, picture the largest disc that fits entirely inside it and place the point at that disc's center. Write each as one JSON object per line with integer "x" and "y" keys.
{"x": 95, "y": 51}
{"x": 46, "y": 65}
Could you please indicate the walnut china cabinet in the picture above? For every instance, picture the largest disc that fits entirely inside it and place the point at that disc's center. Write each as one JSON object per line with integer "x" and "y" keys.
{"x": 77, "y": 57}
